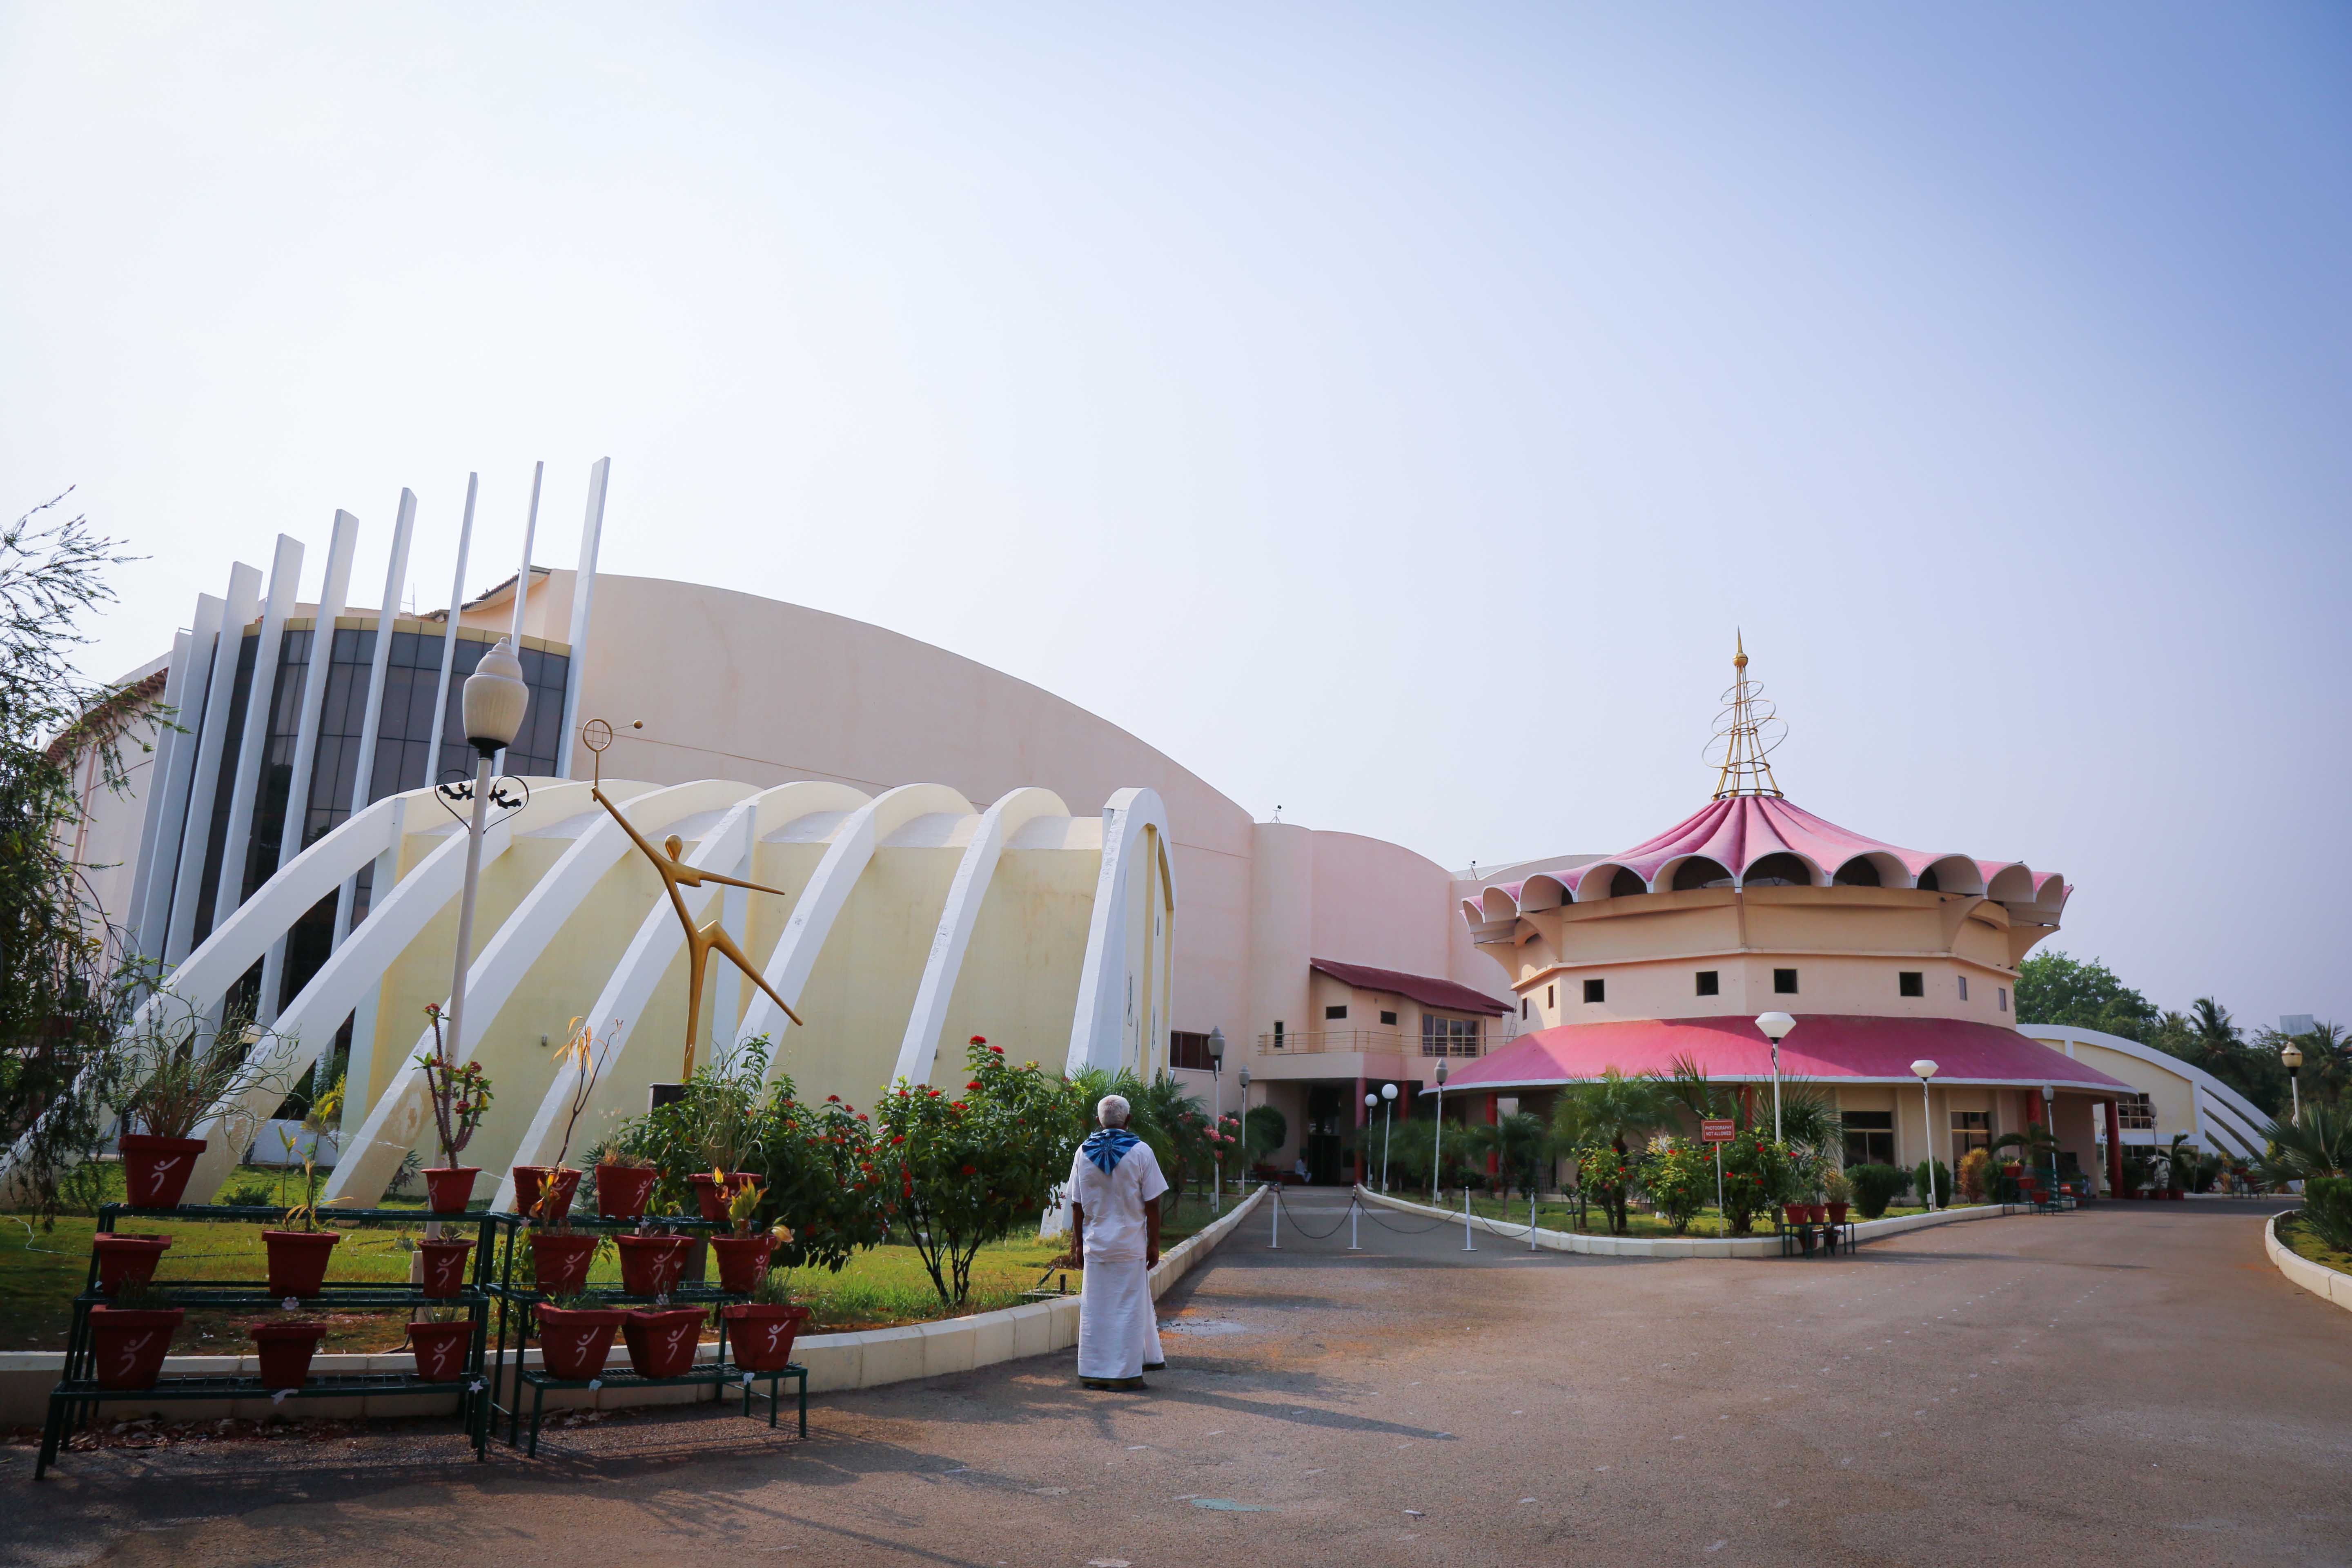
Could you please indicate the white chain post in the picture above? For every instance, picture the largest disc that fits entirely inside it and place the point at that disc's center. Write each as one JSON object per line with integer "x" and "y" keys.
{"x": 1466, "y": 1244}
{"x": 1351, "y": 1224}
{"x": 1276, "y": 1245}
{"x": 1531, "y": 1220}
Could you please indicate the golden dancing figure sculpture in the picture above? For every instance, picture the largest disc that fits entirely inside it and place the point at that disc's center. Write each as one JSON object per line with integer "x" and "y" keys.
{"x": 675, "y": 874}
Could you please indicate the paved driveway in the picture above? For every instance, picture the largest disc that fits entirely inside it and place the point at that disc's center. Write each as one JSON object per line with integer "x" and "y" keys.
{"x": 2130, "y": 1383}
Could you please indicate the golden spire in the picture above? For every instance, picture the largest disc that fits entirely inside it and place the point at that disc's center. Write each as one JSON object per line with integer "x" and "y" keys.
{"x": 1746, "y": 734}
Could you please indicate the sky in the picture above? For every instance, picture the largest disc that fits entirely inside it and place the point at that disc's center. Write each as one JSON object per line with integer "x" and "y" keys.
{"x": 1392, "y": 413}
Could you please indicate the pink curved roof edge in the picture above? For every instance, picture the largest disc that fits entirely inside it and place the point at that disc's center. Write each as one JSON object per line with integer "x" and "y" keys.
{"x": 1831, "y": 1048}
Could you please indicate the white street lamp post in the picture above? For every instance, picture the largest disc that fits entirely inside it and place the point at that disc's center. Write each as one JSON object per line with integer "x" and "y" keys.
{"x": 1927, "y": 1070}
{"x": 493, "y": 705}
{"x": 2291, "y": 1058}
{"x": 1776, "y": 1026}
{"x": 1217, "y": 1113}
{"x": 1388, "y": 1125}
{"x": 2050, "y": 1125}
{"x": 1437, "y": 1155}
{"x": 1370, "y": 1101}
{"x": 1241, "y": 1082}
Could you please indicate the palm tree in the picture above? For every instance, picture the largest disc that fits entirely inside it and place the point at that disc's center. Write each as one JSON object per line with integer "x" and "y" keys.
{"x": 1520, "y": 1143}
{"x": 2318, "y": 1145}
{"x": 1617, "y": 1110}
{"x": 2218, "y": 1039}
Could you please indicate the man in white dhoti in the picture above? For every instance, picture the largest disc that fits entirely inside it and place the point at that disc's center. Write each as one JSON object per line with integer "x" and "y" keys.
{"x": 1115, "y": 1187}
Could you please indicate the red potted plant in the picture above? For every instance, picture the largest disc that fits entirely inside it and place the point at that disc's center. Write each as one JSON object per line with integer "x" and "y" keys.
{"x": 762, "y": 1329}
{"x": 575, "y": 1339}
{"x": 1793, "y": 1213}
{"x": 127, "y": 1261}
{"x": 440, "y": 1340}
{"x": 445, "y": 1265}
{"x": 715, "y": 1190}
{"x": 743, "y": 1256}
{"x": 285, "y": 1347}
{"x": 535, "y": 1183}
{"x": 460, "y": 1094}
{"x": 652, "y": 1265}
{"x": 559, "y": 1256}
{"x": 662, "y": 1342}
{"x": 130, "y": 1340}
{"x": 1835, "y": 1189}
{"x": 184, "y": 1072}
{"x": 625, "y": 1184}
{"x": 298, "y": 1254}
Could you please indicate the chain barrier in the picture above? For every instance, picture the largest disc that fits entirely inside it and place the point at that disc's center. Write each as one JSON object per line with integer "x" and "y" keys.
{"x": 1310, "y": 1235}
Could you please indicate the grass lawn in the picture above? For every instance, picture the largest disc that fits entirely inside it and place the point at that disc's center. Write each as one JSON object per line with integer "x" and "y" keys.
{"x": 42, "y": 1271}
{"x": 2303, "y": 1243}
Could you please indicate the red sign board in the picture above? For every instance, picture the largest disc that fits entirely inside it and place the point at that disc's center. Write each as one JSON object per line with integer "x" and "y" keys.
{"x": 1715, "y": 1130}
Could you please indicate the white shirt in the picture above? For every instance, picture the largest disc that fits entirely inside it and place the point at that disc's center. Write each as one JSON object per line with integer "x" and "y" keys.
{"x": 1113, "y": 1203}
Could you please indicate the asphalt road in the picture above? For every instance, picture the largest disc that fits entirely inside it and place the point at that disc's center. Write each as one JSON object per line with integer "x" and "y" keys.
{"x": 2130, "y": 1383}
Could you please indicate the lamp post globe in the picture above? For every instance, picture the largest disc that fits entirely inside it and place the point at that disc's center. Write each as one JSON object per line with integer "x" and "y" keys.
{"x": 1776, "y": 1027}
{"x": 2291, "y": 1059}
{"x": 1926, "y": 1069}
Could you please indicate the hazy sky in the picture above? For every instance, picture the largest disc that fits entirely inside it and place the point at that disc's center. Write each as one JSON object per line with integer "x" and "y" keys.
{"x": 1387, "y": 412}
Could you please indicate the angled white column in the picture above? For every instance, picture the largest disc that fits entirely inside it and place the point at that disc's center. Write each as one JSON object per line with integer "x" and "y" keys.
{"x": 340, "y": 542}
{"x": 919, "y": 1049}
{"x": 396, "y": 572}
{"x": 159, "y": 772}
{"x": 253, "y": 739}
{"x": 171, "y": 831}
{"x": 583, "y": 600}
{"x": 397, "y": 1120}
{"x": 360, "y": 1069}
{"x": 204, "y": 787}
{"x": 449, "y": 637}
{"x": 522, "y": 585}
{"x": 1100, "y": 1026}
{"x": 820, "y": 904}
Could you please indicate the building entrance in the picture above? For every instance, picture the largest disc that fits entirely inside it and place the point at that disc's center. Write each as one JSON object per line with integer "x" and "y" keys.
{"x": 1325, "y": 1160}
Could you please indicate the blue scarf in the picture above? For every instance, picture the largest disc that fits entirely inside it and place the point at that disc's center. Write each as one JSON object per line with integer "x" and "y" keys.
{"x": 1108, "y": 1147}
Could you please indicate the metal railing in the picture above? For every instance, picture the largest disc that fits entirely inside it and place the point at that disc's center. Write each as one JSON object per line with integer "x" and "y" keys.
{"x": 1307, "y": 1042}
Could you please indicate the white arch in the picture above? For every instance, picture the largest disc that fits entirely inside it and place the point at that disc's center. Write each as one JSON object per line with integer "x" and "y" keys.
{"x": 919, "y": 1050}
{"x": 2232, "y": 1120}
{"x": 396, "y": 1120}
{"x": 1097, "y": 1026}
{"x": 846, "y": 858}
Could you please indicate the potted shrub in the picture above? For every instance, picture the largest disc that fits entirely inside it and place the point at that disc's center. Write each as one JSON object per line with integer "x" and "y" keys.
{"x": 652, "y": 1265}
{"x": 460, "y": 1096}
{"x": 559, "y": 1255}
{"x": 744, "y": 1255}
{"x": 560, "y": 1183}
{"x": 127, "y": 1261}
{"x": 1838, "y": 1192}
{"x": 180, "y": 1071}
{"x": 285, "y": 1346}
{"x": 445, "y": 1265}
{"x": 440, "y": 1340}
{"x": 625, "y": 1184}
{"x": 764, "y": 1327}
{"x": 575, "y": 1335}
{"x": 715, "y": 1190}
{"x": 130, "y": 1338}
{"x": 662, "y": 1341}
{"x": 298, "y": 1253}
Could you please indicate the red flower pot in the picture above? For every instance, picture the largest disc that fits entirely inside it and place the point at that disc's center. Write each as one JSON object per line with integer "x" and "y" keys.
{"x": 559, "y": 1261}
{"x": 444, "y": 1266}
{"x": 530, "y": 1179}
{"x": 130, "y": 1344}
{"x": 156, "y": 1170}
{"x": 440, "y": 1350}
{"x": 1816, "y": 1213}
{"x": 743, "y": 1261}
{"x": 706, "y": 1192}
{"x": 1794, "y": 1213}
{"x": 298, "y": 1259}
{"x": 573, "y": 1343}
{"x": 762, "y": 1335}
{"x": 1837, "y": 1212}
{"x": 662, "y": 1343}
{"x": 449, "y": 1188}
{"x": 652, "y": 1265}
{"x": 622, "y": 1190}
{"x": 127, "y": 1261}
{"x": 286, "y": 1350}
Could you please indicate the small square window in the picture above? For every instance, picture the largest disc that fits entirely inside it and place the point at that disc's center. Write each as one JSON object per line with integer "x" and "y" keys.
{"x": 1784, "y": 982}
{"x": 1910, "y": 983}
{"x": 1388, "y": 1018}
{"x": 1339, "y": 1012}
{"x": 2003, "y": 990}
{"x": 1596, "y": 990}
{"x": 1710, "y": 983}
{"x": 1964, "y": 987}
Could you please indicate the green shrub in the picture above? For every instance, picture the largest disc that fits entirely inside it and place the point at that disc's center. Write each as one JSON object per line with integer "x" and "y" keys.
{"x": 250, "y": 1195}
{"x": 2328, "y": 1210}
{"x": 1943, "y": 1180}
{"x": 1679, "y": 1179}
{"x": 1267, "y": 1130}
{"x": 1874, "y": 1186}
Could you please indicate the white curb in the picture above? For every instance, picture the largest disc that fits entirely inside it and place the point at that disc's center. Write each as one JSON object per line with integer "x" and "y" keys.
{"x": 2322, "y": 1281}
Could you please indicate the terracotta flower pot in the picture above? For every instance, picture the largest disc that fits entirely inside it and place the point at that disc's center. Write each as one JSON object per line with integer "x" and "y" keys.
{"x": 743, "y": 1261}
{"x": 559, "y": 1260}
{"x": 573, "y": 1343}
{"x": 1793, "y": 1213}
{"x": 528, "y": 1179}
{"x": 444, "y": 1266}
{"x": 449, "y": 1188}
{"x": 714, "y": 1204}
{"x": 298, "y": 1259}
{"x": 286, "y": 1350}
{"x": 1837, "y": 1212}
{"x": 440, "y": 1350}
{"x": 127, "y": 1261}
{"x": 128, "y": 1344}
{"x": 1816, "y": 1213}
{"x": 622, "y": 1190}
{"x": 156, "y": 1170}
{"x": 662, "y": 1343}
{"x": 761, "y": 1335}
{"x": 652, "y": 1265}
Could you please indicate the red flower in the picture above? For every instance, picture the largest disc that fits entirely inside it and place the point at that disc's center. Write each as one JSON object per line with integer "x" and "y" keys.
{"x": 833, "y": 1099}
{"x": 973, "y": 1084}
{"x": 861, "y": 1116}
{"x": 971, "y": 1170}
{"x": 980, "y": 1039}
{"x": 998, "y": 1050}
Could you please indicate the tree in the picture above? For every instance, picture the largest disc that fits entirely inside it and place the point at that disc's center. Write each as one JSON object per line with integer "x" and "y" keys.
{"x": 2053, "y": 988}
{"x": 65, "y": 988}
{"x": 1614, "y": 1114}
{"x": 1520, "y": 1143}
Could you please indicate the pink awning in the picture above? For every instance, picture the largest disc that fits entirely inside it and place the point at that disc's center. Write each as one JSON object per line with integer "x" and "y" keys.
{"x": 1826, "y": 1047}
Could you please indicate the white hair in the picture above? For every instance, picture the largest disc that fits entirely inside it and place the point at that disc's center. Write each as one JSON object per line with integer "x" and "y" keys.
{"x": 1112, "y": 1110}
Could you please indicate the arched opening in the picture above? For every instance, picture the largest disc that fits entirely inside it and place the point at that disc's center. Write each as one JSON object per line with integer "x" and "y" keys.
{"x": 1698, "y": 871}
{"x": 1928, "y": 882}
{"x": 1626, "y": 884}
{"x": 1778, "y": 870}
{"x": 1858, "y": 872}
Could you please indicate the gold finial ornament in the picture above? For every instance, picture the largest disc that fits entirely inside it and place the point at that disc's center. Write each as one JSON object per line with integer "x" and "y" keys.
{"x": 1747, "y": 733}
{"x": 675, "y": 874}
